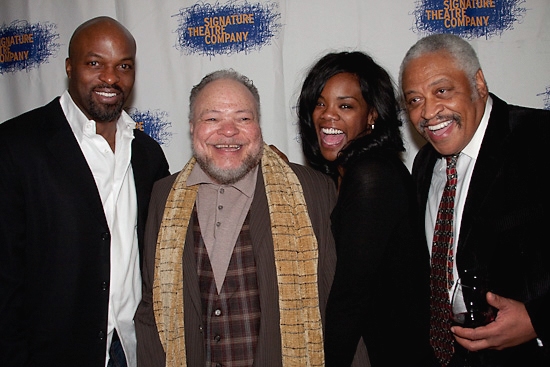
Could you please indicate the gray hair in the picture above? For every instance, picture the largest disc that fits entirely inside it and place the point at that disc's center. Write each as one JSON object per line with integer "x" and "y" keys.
{"x": 460, "y": 50}
{"x": 223, "y": 74}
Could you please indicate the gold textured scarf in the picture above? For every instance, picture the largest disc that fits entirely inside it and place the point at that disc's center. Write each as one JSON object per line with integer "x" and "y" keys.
{"x": 296, "y": 259}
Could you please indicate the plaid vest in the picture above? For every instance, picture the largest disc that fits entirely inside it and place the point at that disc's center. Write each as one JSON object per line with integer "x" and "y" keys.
{"x": 231, "y": 318}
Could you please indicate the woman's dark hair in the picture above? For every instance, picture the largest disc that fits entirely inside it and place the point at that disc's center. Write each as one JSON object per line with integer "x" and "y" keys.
{"x": 378, "y": 91}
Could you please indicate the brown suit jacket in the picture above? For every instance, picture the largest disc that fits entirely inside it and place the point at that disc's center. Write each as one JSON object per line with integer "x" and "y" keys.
{"x": 320, "y": 195}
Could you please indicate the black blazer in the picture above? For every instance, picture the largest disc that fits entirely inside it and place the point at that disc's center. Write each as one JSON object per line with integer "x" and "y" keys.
{"x": 55, "y": 242}
{"x": 381, "y": 284}
{"x": 502, "y": 234}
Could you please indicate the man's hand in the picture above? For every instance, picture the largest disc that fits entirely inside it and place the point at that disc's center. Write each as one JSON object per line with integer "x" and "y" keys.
{"x": 511, "y": 327}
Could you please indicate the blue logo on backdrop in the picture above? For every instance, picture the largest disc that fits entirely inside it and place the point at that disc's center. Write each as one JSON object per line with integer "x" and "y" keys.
{"x": 214, "y": 29}
{"x": 153, "y": 123}
{"x": 546, "y": 98}
{"x": 467, "y": 18}
{"x": 26, "y": 46}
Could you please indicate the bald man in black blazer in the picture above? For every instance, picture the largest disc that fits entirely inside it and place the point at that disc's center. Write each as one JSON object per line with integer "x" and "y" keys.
{"x": 55, "y": 239}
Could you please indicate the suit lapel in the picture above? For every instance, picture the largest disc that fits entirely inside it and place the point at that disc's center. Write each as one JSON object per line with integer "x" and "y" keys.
{"x": 71, "y": 162}
{"x": 139, "y": 164}
{"x": 260, "y": 223}
{"x": 190, "y": 271}
{"x": 423, "y": 172}
{"x": 143, "y": 184}
{"x": 262, "y": 243}
{"x": 490, "y": 160}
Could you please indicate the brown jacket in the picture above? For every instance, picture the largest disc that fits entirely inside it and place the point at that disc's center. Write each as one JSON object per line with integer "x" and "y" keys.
{"x": 320, "y": 195}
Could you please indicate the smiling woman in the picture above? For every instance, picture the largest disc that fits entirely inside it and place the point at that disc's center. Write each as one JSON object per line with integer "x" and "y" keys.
{"x": 341, "y": 114}
{"x": 349, "y": 128}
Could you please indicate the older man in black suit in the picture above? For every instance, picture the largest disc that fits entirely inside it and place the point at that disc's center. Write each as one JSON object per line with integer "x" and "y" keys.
{"x": 500, "y": 207}
{"x": 75, "y": 182}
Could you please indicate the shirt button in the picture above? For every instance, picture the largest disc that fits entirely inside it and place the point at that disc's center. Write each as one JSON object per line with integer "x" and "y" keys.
{"x": 222, "y": 190}
{"x": 217, "y": 338}
{"x": 218, "y": 312}
{"x": 220, "y": 207}
{"x": 218, "y": 224}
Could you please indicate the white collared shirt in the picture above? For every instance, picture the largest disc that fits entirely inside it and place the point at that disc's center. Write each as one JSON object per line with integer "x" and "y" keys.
{"x": 114, "y": 179}
{"x": 464, "y": 167}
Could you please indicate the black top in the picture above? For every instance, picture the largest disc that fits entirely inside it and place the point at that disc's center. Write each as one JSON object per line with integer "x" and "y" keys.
{"x": 381, "y": 286}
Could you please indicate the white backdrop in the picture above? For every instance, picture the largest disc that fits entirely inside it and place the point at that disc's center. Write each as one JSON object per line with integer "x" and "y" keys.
{"x": 273, "y": 43}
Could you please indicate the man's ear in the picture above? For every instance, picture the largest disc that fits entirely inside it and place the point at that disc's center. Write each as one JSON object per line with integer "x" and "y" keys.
{"x": 68, "y": 67}
{"x": 481, "y": 84}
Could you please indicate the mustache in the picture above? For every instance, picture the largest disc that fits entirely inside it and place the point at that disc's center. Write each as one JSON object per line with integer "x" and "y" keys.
{"x": 439, "y": 118}
{"x": 109, "y": 86}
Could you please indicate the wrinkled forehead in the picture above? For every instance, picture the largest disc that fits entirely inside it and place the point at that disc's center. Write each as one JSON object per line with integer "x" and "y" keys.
{"x": 226, "y": 93}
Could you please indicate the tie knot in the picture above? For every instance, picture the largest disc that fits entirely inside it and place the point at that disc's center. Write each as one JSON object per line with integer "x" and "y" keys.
{"x": 451, "y": 167}
{"x": 451, "y": 160}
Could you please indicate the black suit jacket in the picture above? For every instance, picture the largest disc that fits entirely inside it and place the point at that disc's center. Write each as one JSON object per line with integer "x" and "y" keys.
{"x": 55, "y": 241}
{"x": 381, "y": 284}
{"x": 503, "y": 232}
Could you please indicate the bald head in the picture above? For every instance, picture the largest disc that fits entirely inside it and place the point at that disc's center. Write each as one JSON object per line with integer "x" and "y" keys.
{"x": 99, "y": 24}
{"x": 101, "y": 68}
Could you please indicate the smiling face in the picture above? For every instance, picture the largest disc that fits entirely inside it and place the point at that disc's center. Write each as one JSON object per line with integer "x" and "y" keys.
{"x": 441, "y": 103}
{"x": 226, "y": 135}
{"x": 101, "y": 71}
{"x": 341, "y": 114}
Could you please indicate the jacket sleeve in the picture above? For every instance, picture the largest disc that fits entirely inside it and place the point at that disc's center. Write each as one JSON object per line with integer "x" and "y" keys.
{"x": 12, "y": 261}
{"x": 320, "y": 194}
{"x": 382, "y": 264}
{"x": 150, "y": 352}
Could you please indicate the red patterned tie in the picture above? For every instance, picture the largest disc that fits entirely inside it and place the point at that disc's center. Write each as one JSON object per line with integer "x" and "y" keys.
{"x": 441, "y": 278}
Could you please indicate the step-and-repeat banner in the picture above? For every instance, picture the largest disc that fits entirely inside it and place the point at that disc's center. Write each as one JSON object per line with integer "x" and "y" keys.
{"x": 273, "y": 43}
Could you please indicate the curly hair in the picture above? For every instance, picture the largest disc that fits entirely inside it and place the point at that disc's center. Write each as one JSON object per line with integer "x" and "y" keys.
{"x": 377, "y": 89}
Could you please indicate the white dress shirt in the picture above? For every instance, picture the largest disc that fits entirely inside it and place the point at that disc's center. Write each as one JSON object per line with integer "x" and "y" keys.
{"x": 114, "y": 179}
{"x": 464, "y": 167}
